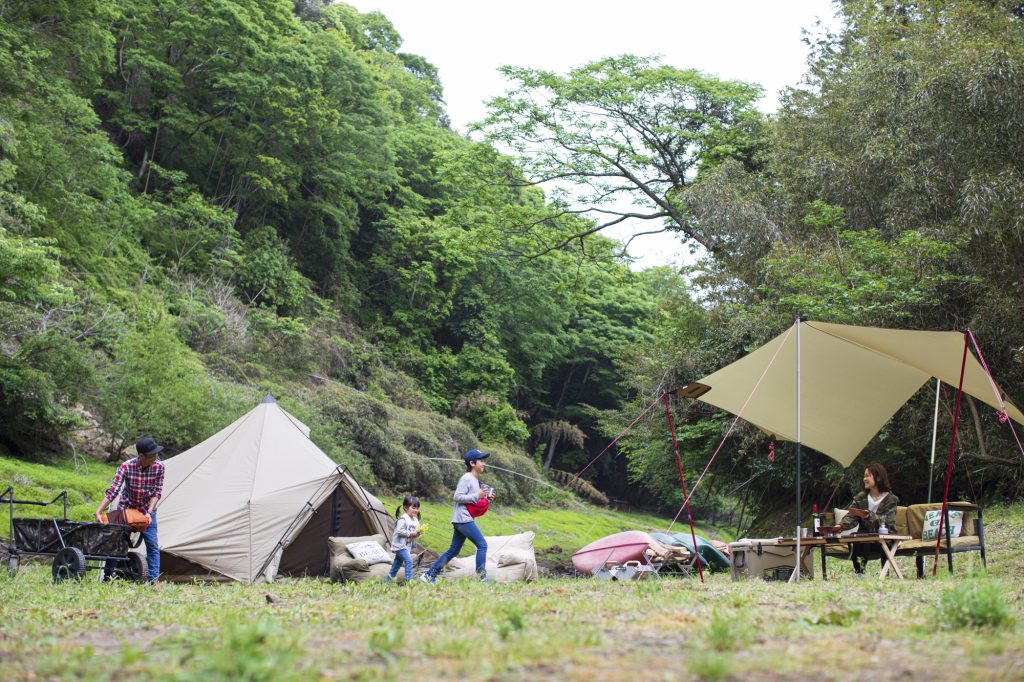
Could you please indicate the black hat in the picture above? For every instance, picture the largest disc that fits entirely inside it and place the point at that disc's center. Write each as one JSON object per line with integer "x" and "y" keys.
{"x": 147, "y": 446}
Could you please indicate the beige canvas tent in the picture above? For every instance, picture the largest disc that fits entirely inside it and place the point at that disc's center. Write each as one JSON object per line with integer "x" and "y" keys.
{"x": 852, "y": 380}
{"x": 832, "y": 387}
{"x": 259, "y": 499}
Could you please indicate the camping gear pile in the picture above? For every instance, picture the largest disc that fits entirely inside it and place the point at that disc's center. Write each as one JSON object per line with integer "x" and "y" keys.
{"x": 634, "y": 550}
{"x": 712, "y": 553}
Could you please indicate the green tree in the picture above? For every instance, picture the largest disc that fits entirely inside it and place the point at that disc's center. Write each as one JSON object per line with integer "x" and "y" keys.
{"x": 156, "y": 385}
{"x": 625, "y": 131}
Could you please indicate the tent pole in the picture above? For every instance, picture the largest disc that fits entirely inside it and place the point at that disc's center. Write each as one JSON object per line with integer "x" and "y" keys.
{"x": 935, "y": 431}
{"x": 798, "y": 447}
{"x": 949, "y": 471}
{"x": 682, "y": 482}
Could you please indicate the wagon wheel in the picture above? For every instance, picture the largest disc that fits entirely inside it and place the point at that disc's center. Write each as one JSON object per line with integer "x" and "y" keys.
{"x": 113, "y": 569}
{"x": 134, "y": 568}
{"x": 69, "y": 563}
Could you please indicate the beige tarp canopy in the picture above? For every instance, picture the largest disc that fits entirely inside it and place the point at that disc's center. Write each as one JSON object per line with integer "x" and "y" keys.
{"x": 259, "y": 499}
{"x": 852, "y": 380}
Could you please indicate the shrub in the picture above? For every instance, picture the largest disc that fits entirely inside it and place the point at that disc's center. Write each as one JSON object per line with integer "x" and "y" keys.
{"x": 580, "y": 486}
{"x": 266, "y": 274}
{"x": 158, "y": 386}
{"x": 492, "y": 420}
{"x": 254, "y": 651}
{"x": 978, "y": 603}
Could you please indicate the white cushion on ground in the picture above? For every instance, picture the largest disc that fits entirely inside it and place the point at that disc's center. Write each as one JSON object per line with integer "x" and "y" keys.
{"x": 509, "y": 558}
{"x": 370, "y": 552}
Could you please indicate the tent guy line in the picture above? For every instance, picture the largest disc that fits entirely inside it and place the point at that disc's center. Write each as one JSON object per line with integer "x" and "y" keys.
{"x": 492, "y": 466}
{"x": 739, "y": 414}
{"x": 682, "y": 479}
{"x": 616, "y": 439}
{"x": 1003, "y": 417}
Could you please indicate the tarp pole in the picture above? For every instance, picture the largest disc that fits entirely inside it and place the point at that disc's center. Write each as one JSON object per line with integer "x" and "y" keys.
{"x": 949, "y": 470}
{"x": 682, "y": 482}
{"x": 935, "y": 431}
{"x": 798, "y": 447}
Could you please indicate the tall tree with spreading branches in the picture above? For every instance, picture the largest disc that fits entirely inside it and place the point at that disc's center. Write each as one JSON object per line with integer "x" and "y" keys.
{"x": 622, "y": 139}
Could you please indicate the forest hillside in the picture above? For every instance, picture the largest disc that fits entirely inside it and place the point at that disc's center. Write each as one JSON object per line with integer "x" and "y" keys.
{"x": 203, "y": 203}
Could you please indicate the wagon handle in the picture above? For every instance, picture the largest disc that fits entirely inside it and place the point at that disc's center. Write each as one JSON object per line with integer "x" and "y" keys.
{"x": 8, "y": 496}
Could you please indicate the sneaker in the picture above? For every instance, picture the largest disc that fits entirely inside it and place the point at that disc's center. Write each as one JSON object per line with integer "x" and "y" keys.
{"x": 428, "y": 579}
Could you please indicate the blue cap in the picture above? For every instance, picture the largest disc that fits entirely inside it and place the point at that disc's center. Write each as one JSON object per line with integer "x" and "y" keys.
{"x": 474, "y": 455}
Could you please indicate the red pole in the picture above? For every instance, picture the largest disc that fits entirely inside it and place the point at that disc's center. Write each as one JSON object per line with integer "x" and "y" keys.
{"x": 949, "y": 468}
{"x": 682, "y": 482}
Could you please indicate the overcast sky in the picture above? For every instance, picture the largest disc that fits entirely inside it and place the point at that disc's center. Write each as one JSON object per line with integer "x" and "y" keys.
{"x": 758, "y": 41}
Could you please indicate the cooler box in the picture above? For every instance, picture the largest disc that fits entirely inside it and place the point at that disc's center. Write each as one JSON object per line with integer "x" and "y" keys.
{"x": 765, "y": 559}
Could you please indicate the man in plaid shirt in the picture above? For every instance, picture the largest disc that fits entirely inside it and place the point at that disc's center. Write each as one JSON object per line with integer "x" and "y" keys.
{"x": 140, "y": 481}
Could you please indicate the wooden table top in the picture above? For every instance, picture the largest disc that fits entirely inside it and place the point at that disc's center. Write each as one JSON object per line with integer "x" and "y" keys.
{"x": 817, "y": 540}
{"x": 864, "y": 537}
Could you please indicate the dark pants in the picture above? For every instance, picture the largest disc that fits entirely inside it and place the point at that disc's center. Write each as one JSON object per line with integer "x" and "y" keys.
{"x": 862, "y": 552}
{"x": 460, "y": 533}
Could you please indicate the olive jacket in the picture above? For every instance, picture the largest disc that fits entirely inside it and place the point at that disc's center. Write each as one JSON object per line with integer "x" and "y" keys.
{"x": 886, "y": 512}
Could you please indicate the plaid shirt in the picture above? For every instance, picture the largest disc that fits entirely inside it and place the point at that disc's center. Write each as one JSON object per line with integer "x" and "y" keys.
{"x": 139, "y": 484}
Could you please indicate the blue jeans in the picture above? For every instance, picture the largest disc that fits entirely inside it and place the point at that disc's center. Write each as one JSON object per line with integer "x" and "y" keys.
{"x": 152, "y": 549}
{"x": 460, "y": 533}
{"x": 402, "y": 556}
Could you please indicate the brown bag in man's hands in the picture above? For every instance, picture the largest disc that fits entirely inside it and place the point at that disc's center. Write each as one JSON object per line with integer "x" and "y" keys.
{"x": 132, "y": 518}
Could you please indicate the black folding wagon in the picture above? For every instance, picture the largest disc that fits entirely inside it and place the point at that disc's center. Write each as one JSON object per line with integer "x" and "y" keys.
{"x": 76, "y": 546}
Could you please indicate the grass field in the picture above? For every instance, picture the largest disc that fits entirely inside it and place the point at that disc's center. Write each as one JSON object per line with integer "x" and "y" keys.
{"x": 963, "y": 628}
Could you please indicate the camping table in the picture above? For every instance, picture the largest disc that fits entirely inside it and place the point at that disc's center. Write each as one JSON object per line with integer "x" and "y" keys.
{"x": 806, "y": 545}
{"x": 889, "y": 544}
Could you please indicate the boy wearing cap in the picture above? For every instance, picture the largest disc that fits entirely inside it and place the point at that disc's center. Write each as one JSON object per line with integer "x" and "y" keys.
{"x": 464, "y": 527}
{"x": 140, "y": 481}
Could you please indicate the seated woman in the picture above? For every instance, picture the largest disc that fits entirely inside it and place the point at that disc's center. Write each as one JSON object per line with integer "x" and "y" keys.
{"x": 872, "y": 508}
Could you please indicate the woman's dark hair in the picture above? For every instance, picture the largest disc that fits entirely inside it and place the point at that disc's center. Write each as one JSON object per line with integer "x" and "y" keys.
{"x": 408, "y": 501}
{"x": 881, "y": 477}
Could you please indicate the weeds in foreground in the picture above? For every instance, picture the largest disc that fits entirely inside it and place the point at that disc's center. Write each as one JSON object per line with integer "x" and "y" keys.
{"x": 513, "y": 621}
{"x": 977, "y": 603}
{"x": 708, "y": 665}
{"x": 386, "y": 641}
{"x": 725, "y": 632}
{"x": 256, "y": 651}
